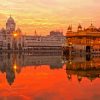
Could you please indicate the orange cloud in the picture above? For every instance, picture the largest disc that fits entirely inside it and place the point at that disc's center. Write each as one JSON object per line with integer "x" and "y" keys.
{"x": 45, "y": 15}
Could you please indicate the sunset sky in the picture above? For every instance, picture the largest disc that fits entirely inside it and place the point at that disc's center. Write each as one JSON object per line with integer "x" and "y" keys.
{"x": 46, "y": 15}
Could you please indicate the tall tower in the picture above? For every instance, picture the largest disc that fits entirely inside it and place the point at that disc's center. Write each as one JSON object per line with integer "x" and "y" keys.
{"x": 10, "y": 25}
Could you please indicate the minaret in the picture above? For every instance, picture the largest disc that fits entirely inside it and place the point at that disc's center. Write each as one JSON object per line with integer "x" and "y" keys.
{"x": 35, "y": 33}
{"x": 69, "y": 29}
{"x": 79, "y": 28}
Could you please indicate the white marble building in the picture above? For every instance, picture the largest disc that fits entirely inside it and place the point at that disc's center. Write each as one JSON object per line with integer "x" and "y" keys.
{"x": 12, "y": 38}
{"x": 51, "y": 40}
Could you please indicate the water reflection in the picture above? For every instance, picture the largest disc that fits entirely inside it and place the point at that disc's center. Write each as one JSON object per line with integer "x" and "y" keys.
{"x": 83, "y": 66}
{"x": 51, "y": 77}
{"x": 13, "y": 63}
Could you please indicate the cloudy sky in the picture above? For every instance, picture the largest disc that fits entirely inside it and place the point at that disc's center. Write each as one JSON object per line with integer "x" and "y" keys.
{"x": 46, "y": 15}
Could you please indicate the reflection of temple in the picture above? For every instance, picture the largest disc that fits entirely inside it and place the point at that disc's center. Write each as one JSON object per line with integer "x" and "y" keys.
{"x": 82, "y": 67}
{"x": 10, "y": 75}
{"x": 13, "y": 63}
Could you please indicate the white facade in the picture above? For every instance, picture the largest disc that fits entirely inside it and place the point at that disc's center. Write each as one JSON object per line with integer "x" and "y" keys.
{"x": 12, "y": 39}
{"x": 43, "y": 41}
{"x": 7, "y": 39}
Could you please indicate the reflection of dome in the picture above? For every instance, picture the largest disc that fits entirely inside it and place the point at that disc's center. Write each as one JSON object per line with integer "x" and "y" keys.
{"x": 91, "y": 78}
{"x": 10, "y": 76}
{"x": 69, "y": 77}
{"x": 79, "y": 78}
{"x": 10, "y": 20}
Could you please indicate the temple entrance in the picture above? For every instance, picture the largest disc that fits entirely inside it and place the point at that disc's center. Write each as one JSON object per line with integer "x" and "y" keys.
{"x": 9, "y": 46}
{"x": 88, "y": 49}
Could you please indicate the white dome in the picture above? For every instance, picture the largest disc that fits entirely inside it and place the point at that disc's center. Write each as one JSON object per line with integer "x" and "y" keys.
{"x": 10, "y": 20}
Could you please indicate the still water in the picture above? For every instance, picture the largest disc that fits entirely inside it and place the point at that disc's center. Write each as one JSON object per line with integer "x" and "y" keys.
{"x": 49, "y": 77}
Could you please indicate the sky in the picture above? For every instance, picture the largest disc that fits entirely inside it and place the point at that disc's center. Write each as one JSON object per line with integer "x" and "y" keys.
{"x": 47, "y": 15}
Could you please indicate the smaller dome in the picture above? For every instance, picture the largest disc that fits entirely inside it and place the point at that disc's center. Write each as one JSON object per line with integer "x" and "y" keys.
{"x": 70, "y": 27}
{"x": 3, "y": 30}
{"x": 18, "y": 30}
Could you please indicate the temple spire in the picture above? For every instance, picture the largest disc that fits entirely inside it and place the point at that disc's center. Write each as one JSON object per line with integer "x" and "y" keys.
{"x": 35, "y": 33}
